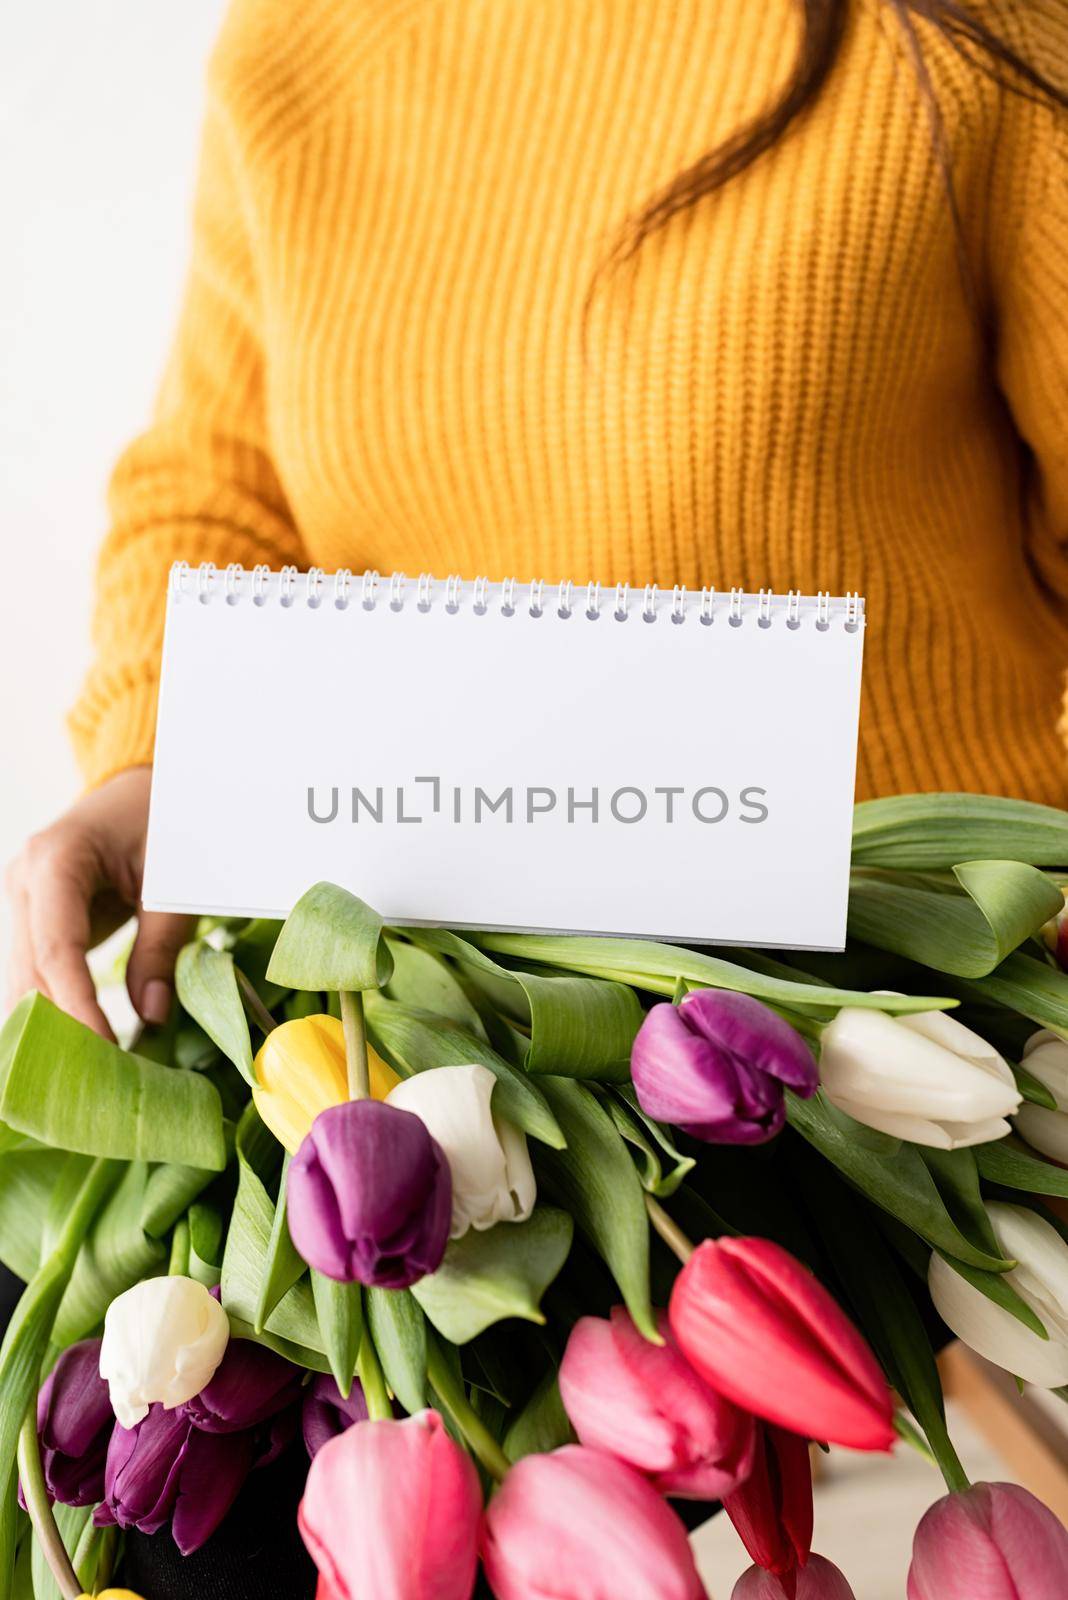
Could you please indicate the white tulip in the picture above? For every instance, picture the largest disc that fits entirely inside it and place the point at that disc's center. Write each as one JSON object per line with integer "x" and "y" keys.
{"x": 923, "y": 1077}
{"x": 492, "y": 1179}
{"x": 163, "y": 1340}
{"x": 1040, "y": 1278}
{"x": 1046, "y": 1058}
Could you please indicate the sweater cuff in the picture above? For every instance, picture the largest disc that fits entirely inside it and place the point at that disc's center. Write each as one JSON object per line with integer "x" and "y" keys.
{"x": 117, "y": 735}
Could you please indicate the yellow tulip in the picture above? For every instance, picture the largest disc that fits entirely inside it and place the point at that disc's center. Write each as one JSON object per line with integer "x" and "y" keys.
{"x": 111, "y": 1594}
{"x": 300, "y": 1071}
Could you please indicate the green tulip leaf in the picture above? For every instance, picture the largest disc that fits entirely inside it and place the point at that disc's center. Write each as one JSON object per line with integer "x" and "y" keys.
{"x": 339, "y": 1309}
{"x": 580, "y": 1027}
{"x": 169, "y": 1192}
{"x": 542, "y": 1425}
{"x": 651, "y": 1142}
{"x": 73, "y": 1522}
{"x": 412, "y": 1042}
{"x": 956, "y": 1177}
{"x": 900, "y": 1184}
{"x": 205, "y": 1244}
{"x": 423, "y": 981}
{"x": 27, "y": 1180}
{"x": 1032, "y": 1088}
{"x": 967, "y": 934}
{"x": 331, "y": 940}
{"x": 501, "y": 1272}
{"x": 116, "y": 1254}
{"x": 932, "y": 832}
{"x": 595, "y": 1178}
{"x": 399, "y": 1333}
{"x": 207, "y": 987}
{"x": 1032, "y": 988}
{"x": 1016, "y": 1168}
{"x": 63, "y": 1084}
{"x": 658, "y": 968}
{"x": 283, "y": 1265}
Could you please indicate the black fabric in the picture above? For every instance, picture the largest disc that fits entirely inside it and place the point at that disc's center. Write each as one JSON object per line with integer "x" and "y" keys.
{"x": 257, "y": 1554}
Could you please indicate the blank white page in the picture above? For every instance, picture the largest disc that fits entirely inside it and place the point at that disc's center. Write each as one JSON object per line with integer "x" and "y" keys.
{"x": 454, "y": 759}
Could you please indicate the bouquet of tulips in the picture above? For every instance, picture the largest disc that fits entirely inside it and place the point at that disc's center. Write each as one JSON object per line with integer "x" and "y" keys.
{"x": 528, "y": 1241}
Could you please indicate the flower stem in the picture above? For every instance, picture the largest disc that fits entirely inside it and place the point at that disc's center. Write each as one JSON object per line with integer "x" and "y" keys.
{"x": 451, "y": 1393}
{"x": 352, "y": 1024}
{"x": 668, "y": 1230}
{"x": 39, "y": 1507}
{"x": 178, "y": 1265}
{"x": 254, "y": 1005}
{"x": 369, "y": 1371}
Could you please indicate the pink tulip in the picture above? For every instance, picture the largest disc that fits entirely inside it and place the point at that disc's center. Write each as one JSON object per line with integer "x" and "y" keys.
{"x": 763, "y": 1331}
{"x": 645, "y": 1404}
{"x": 391, "y": 1509}
{"x": 579, "y": 1525}
{"x": 993, "y": 1542}
{"x": 772, "y": 1511}
{"x": 820, "y": 1580}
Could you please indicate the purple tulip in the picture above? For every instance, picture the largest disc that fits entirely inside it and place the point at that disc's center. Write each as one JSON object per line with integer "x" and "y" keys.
{"x": 369, "y": 1196}
{"x": 716, "y": 1065}
{"x": 186, "y": 1466}
{"x": 75, "y": 1422}
{"x": 326, "y": 1412}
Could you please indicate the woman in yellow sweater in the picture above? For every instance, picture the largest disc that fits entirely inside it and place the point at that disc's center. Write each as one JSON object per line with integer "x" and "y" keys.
{"x": 684, "y": 291}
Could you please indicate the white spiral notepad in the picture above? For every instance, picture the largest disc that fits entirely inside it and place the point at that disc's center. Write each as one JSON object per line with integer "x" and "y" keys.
{"x": 502, "y": 755}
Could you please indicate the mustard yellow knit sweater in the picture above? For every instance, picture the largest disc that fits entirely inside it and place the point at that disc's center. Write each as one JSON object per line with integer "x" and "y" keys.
{"x": 383, "y": 362}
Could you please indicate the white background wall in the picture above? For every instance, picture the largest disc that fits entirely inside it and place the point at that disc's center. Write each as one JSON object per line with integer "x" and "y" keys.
{"x": 99, "y": 111}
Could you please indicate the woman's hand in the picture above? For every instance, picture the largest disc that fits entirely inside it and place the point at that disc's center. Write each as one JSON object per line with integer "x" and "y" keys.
{"x": 76, "y": 882}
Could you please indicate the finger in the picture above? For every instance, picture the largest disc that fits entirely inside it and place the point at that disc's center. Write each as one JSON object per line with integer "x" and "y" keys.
{"x": 150, "y": 971}
{"x": 22, "y": 975}
{"x": 59, "y": 890}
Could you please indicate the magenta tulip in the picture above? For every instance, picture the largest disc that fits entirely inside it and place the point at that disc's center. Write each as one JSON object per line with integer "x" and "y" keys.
{"x": 995, "y": 1541}
{"x": 819, "y": 1580}
{"x": 75, "y": 1423}
{"x": 646, "y": 1405}
{"x": 772, "y": 1510}
{"x": 763, "y": 1331}
{"x": 579, "y": 1525}
{"x": 391, "y": 1509}
{"x": 326, "y": 1412}
{"x": 716, "y": 1065}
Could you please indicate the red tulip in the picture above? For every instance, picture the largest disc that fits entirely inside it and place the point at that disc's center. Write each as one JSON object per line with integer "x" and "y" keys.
{"x": 772, "y": 1510}
{"x": 993, "y": 1542}
{"x": 759, "y": 1328}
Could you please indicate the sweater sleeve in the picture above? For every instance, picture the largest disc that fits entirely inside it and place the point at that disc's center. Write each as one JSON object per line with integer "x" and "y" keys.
{"x": 1028, "y": 233}
{"x": 199, "y": 485}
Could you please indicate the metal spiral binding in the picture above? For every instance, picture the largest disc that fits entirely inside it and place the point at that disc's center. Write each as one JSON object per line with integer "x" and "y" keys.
{"x": 709, "y": 606}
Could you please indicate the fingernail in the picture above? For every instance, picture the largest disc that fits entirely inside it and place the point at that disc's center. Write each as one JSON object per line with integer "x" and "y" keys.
{"x": 156, "y": 1001}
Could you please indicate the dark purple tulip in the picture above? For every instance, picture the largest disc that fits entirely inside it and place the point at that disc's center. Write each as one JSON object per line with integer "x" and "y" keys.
{"x": 369, "y": 1196}
{"x": 75, "y": 1422}
{"x": 715, "y": 1065}
{"x": 187, "y": 1466}
{"x": 327, "y": 1413}
{"x": 249, "y": 1385}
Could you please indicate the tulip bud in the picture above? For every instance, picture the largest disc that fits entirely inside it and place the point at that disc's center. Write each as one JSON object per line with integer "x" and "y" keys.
{"x": 1040, "y": 1278}
{"x": 327, "y": 1412}
{"x": 772, "y": 1510}
{"x": 993, "y": 1542}
{"x": 645, "y": 1404}
{"x": 492, "y": 1179}
{"x": 925, "y": 1077}
{"x": 763, "y": 1331}
{"x": 579, "y": 1525}
{"x": 392, "y": 1509}
{"x": 1046, "y": 1057}
{"x": 369, "y": 1197}
{"x": 163, "y": 1340}
{"x": 715, "y": 1065}
{"x": 301, "y": 1070}
{"x": 74, "y": 1422}
{"x": 1055, "y": 937}
{"x": 819, "y": 1580}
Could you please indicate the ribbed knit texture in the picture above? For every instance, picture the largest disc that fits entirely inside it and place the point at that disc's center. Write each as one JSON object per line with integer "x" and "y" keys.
{"x": 396, "y": 350}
